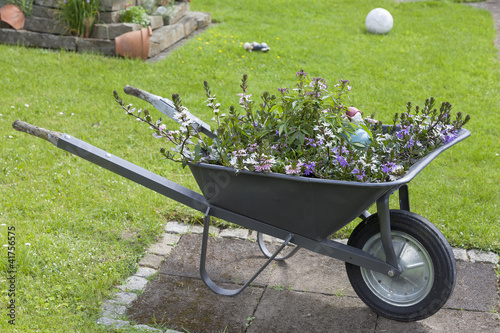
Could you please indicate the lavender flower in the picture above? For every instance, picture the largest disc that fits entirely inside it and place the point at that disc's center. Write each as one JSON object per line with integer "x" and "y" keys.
{"x": 309, "y": 168}
{"x": 341, "y": 160}
{"x": 360, "y": 174}
{"x": 388, "y": 167}
{"x": 283, "y": 91}
{"x": 404, "y": 131}
{"x": 301, "y": 74}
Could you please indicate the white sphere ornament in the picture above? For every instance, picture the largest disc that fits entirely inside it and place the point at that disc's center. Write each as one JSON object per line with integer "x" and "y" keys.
{"x": 379, "y": 21}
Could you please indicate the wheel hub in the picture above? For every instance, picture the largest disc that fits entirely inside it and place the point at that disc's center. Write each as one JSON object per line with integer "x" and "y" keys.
{"x": 416, "y": 279}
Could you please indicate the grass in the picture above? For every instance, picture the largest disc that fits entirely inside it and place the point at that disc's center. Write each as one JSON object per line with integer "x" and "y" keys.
{"x": 87, "y": 228}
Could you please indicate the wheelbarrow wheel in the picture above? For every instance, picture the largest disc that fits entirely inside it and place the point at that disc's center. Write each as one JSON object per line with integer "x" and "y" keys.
{"x": 427, "y": 261}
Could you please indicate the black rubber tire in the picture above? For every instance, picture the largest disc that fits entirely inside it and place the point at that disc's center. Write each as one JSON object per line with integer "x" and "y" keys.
{"x": 427, "y": 242}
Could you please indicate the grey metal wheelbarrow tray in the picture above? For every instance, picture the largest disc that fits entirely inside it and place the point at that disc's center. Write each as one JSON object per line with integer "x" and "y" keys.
{"x": 305, "y": 212}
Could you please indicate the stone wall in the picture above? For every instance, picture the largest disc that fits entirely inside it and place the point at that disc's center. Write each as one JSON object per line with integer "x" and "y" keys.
{"x": 42, "y": 29}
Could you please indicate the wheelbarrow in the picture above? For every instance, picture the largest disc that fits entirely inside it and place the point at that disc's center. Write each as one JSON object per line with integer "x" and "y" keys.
{"x": 398, "y": 263}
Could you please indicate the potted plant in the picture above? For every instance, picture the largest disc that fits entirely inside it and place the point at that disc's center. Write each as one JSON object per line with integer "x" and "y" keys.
{"x": 309, "y": 130}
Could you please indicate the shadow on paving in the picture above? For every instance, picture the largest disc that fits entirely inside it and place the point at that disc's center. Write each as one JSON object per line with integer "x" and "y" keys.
{"x": 306, "y": 293}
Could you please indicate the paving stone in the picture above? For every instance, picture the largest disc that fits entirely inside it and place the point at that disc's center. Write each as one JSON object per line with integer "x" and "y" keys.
{"x": 180, "y": 9}
{"x": 481, "y": 256}
{"x": 212, "y": 231}
{"x": 113, "y": 30}
{"x": 109, "y": 17}
{"x": 147, "y": 328}
{"x": 476, "y": 288}
{"x": 160, "y": 249}
{"x": 124, "y": 298}
{"x": 190, "y": 24}
{"x": 44, "y": 12}
{"x": 342, "y": 241}
{"x": 175, "y": 227}
{"x": 146, "y": 272}
{"x": 445, "y": 321}
{"x": 252, "y": 236}
{"x": 291, "y": 311}
{"x": 167, "y": 36}
{"x": 154, "y": 49}
{"x": 112, "y": 322}
{"x": 37, "y": 39}
{"x": 151, "y": 260}
{"x": 135, "y": 283}
{"x": 112, "y": 310}
{"x": 202, "y": 19}
{"x": 228, "y": 260}
{"x": 46, "y": 25}
{"x": 101, "y": 46}
{"x": 156, "y": 22}
{"x": 311, "y": 272}
{"x": 114, "y": 5}
{"x": 47, "y": 3}
{"x": 170, "y": 239}
{"x": 186, "y": 304}
{"x": 460, "y": 254}
{"x": 234, "y": 233}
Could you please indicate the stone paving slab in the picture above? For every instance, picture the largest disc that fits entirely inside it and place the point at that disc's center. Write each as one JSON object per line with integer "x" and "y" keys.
{"x": 228, "y": 260}
{"x": 312, "y": 272}
{"x": 290, "y": 311}
{"x": 185, "y": 303}
{"x": 445, "y": 321}
{"x": 476, "y": 287}
{"x": 306, "y": 293}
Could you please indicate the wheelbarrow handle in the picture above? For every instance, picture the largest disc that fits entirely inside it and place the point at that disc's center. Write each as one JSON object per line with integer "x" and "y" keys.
{"x": 166, "y": 106}
{"x": 40, "y": 132}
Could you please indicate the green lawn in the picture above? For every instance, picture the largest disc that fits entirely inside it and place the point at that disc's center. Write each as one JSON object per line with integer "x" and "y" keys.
{"x": 80, "y": 229}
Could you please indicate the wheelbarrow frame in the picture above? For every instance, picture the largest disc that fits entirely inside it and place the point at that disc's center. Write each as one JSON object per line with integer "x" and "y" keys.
{"x": 198, "y": 202}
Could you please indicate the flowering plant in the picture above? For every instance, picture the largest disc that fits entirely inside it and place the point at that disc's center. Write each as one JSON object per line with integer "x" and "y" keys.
{"x": 308, "y": 131}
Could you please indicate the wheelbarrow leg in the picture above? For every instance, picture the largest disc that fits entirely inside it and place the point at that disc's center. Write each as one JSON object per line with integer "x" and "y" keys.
{"x": 385, "y": 231}
{"x": 404, "y": 198}
{"x": 203, "y": 272}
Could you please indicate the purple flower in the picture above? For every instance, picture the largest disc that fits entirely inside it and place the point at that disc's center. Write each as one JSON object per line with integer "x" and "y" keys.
{"x": 309, "y": 168}
{"x": 388, "y": 167}
{"x": 342, "y": 161}
{"x": 301, "y": 74}
{"x": 283, "y": 90}
{"x": 319, "y": 82}
{"x": 410, "y": 143}
{"x": 311, "y": 142}
{"x": 404, "y": 131}
{"x": 360, "y": 174}
{"x": 448, "y": 134}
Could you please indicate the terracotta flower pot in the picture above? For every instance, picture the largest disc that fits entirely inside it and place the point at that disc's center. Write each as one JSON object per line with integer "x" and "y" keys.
{"x": 134, "y": 44}
{"x": 13, "y": 16}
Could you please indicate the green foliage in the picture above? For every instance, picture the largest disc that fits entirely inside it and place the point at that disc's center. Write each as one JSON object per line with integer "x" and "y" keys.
{"x": 79, "y": 16}
{"x": 309, "y": 131}
{"x": 26, "y": 6}
{"x": 135, "y": 14}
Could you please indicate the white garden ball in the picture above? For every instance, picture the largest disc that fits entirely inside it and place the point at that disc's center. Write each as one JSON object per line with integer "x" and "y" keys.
{"x": 379, "y": 21}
